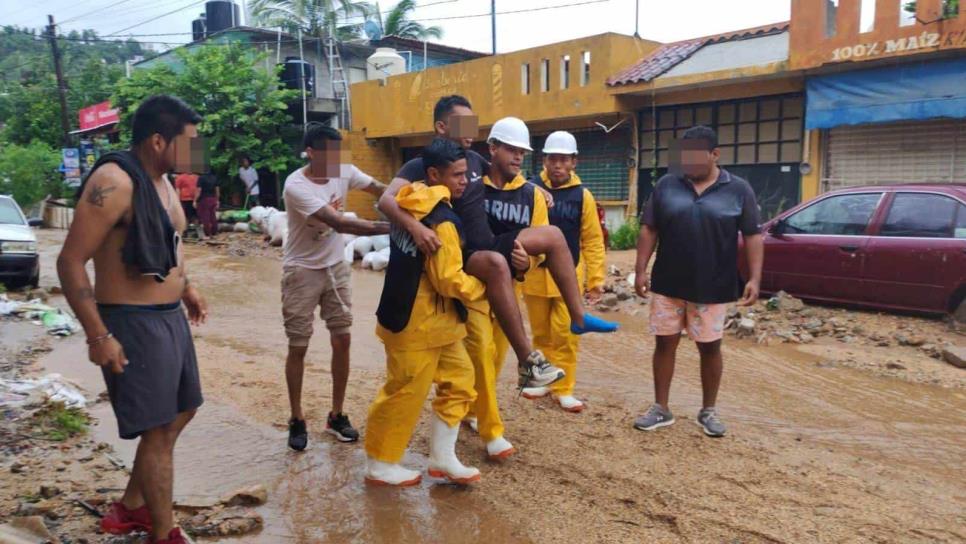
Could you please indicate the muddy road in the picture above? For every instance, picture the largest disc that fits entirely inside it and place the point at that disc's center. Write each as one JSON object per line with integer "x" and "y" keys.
{"x": 815, "y": 452}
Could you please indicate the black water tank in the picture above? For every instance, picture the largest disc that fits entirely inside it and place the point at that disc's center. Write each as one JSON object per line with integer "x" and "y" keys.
{"x": 198, "y": 31}
{"x": 291, "y": 71}
{"x": 221, "y": 15}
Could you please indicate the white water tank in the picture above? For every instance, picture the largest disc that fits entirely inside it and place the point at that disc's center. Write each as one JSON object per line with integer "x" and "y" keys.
{"x": 383, "y": 63}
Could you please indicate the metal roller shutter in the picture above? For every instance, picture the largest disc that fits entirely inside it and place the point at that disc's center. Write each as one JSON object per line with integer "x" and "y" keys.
{"x": 908, "y": 152}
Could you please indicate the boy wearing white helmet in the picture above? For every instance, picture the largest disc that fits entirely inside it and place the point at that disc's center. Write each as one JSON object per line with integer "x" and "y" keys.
{"x": 575, "y": 214}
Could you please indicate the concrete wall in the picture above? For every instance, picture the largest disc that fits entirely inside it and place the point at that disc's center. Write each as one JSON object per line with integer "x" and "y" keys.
{"x": 403, "y": 104}
{"x": 811, "y": 45}
{"x": 376, "y": 158}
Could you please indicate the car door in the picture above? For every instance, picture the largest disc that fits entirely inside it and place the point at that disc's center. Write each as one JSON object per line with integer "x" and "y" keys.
{"x": 818, "y": 251}
{"x": 916, "y": 258}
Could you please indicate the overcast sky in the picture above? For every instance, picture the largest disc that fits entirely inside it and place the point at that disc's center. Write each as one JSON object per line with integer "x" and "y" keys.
{"x": 660, "y": 20}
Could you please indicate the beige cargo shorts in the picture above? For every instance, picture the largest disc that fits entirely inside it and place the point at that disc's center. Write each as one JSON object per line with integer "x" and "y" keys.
{"x": 304, "y": 289}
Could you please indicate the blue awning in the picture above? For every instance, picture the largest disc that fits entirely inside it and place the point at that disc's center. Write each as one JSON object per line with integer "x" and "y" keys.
{"x": 914, "y": 91}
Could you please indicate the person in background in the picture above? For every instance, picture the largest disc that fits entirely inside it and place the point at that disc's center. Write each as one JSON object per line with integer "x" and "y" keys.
{"x": 574, "y": 213}
{"x": 315, "y": 275}
{"x": 207, "y": 198}
{"x": 693, "y": 219}
{"x": 186, "y": 184}
{"x": 249, "y": 177}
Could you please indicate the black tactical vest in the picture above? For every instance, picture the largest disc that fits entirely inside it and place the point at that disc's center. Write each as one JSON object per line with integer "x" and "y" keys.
{"x": 405, "y": 270}
{"x": 508, "y": 211}
{"x": 566, "y": 214}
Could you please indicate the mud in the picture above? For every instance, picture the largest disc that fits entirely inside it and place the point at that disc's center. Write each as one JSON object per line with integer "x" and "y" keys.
{"x": 816, "y": 452}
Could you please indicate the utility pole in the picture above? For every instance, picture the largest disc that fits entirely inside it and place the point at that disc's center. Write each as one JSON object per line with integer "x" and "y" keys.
{"x": 493, "y": 23}
{"x": 637, "y": 18}
{"x": 61, "y": 85}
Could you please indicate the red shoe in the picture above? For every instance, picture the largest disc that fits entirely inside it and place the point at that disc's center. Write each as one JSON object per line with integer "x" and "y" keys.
{"x": 174, "y": 537}
{"x": 121, "y": 521}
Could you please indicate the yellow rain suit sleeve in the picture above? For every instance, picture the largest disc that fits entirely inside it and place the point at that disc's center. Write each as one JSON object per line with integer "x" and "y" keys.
{"x": 444, "y": 269}
{"x": 591, "y": 243}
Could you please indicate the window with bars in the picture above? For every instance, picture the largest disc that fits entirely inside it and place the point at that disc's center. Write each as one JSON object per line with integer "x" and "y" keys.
{"x": 765, "y": 130}
{"x": 602, "y": 163}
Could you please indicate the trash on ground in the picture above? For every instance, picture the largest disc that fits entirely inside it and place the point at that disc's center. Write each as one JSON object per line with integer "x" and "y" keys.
{"x": 58, "y": 323}
{"x": 26, "y": 530}
{"x": 52, "y": 387}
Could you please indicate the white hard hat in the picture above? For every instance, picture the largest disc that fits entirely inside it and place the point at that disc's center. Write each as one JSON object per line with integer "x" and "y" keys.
{"x": 561, "y": 143}
{"x": 511, "y": 131}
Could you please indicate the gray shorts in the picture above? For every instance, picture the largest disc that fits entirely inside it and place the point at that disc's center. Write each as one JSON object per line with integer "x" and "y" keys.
{"x": 161, "y": 379}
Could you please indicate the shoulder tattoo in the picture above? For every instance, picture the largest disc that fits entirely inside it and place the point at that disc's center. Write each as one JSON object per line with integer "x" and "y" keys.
{"x": 98, "y": 195}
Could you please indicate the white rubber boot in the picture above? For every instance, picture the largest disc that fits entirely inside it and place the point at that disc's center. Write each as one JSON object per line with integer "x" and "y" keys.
{"x": 570, "y": 404}
{"x": 379, "y": 473}
{"x": 473, "y": 424}
{"x": 499, "y": 449}
{"x": 442, "y": 455}
{"x": 534, "y": 393}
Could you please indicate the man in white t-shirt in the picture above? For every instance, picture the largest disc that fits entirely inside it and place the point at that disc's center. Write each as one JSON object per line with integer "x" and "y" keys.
{"x": 315, "y": 274}
{"x": 249, "y": 177}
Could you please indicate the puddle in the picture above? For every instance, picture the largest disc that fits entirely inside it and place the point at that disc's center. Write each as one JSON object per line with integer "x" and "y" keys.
{"x": 316, "y": 496}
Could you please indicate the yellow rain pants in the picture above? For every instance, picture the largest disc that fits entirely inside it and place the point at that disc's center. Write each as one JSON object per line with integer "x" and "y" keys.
{"x": 487, "y": 346}
{"x": 550, "y": 323}
{"x": 410, "y": 374}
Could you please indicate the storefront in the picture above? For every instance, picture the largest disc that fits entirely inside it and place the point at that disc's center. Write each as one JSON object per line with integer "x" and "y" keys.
{"x": 98, "y": 130}
{"x": 898, "y": 124}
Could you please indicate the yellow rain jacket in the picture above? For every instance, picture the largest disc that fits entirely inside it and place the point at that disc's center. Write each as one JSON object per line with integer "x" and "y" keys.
{"x": 590, "y": 268}
{"x": 433, "y": 321}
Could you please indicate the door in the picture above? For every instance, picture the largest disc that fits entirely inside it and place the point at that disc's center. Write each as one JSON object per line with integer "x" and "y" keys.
{"x": 917, "y": 260}
{"x": 821, "y": 252}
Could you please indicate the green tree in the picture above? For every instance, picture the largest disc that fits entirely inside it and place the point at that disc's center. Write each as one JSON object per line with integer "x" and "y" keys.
{"x": 29, "y": 172}
{"x": 398, "y": 23}
{"x": 245, "y": 111}
{"x": 341, "y": 19}
{"x": 950, "y": 8}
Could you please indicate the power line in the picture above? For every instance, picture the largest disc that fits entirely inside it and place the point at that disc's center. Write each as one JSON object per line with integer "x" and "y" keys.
{"x": 118, "y": 3}
{"x": 155, "y": 18}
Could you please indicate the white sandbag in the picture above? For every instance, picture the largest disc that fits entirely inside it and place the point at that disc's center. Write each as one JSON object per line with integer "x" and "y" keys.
{"x": 349, "y": 254}
{"x": 367, "y": 259}
{"x": 380, "y": 259}
{"x": 278, "y": 227}
{"x": 380, "y": 242}
{"x": 240, "y": 227}
{"x": 258, "y": 215}
{"x": 362, "y": 245}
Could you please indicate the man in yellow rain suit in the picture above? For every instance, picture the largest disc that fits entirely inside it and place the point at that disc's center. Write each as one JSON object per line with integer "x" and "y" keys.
{"x": 421, "y": 322}
{"x": 512, "y": 206}
{"x": 574, "y": 213}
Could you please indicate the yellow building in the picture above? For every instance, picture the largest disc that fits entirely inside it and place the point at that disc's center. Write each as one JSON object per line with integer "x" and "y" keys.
{"x": 560, "y": 86}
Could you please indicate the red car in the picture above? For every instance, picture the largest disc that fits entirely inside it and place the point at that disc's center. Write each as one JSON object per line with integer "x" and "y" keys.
{"x": 897, "y": 247}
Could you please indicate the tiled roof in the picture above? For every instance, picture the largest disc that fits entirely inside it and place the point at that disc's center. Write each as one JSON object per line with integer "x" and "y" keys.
{"x": 669, "y": 55}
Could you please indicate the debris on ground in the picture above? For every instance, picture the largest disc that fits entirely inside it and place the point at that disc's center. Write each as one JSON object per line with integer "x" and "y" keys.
{"x": 955, "y": 356}
{"x": 26, "y": 530}
{"x": 57, "y": 322}
{"x": 255, "y": 495}
{"x": 231, "y": 521}
{"x": 35, "y": 392}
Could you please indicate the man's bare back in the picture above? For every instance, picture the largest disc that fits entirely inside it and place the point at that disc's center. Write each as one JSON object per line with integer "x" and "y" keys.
{"x": 110, "y": 189}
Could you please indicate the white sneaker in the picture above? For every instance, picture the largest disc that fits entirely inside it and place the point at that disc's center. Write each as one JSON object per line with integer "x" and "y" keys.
{"x": 537, "y": 371}
{"x": 442, "y": 455}
{"x": 570, "y": 404}
{"x": 534, "y": 393}
{"x": 389, "y": 474}
{"x": 499, "y": 449}
{"x": 472, "y": 423}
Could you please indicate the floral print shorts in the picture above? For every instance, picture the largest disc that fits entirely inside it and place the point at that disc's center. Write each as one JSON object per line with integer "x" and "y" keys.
{"x": 670, "y": 316}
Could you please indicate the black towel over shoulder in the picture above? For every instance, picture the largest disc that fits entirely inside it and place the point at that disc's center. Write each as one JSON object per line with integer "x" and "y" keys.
{"x": 150, "y": 247}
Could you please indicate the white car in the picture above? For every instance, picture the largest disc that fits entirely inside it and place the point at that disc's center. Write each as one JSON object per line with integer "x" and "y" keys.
{"x": 19, "y": 262}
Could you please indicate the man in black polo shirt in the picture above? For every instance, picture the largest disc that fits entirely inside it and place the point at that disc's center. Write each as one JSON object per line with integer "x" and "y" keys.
{"x": 693, "y": 218}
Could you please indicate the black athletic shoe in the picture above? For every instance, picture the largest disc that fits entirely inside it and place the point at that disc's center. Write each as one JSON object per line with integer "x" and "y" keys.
{"x": 339, "y": 427}
{"x": 298, "y": 436}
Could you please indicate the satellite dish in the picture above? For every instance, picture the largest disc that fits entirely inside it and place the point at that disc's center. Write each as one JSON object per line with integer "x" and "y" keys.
{"x": 373, "y": 30}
